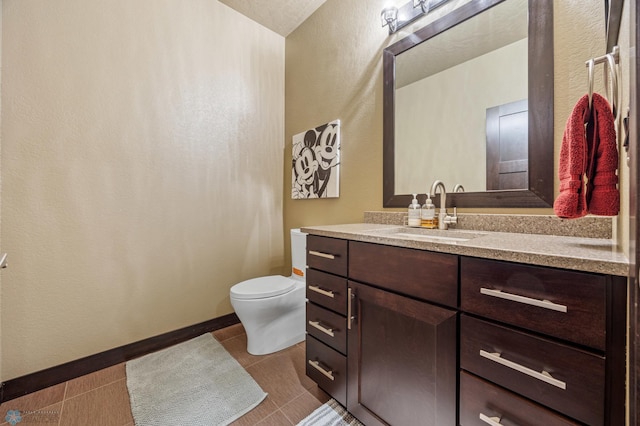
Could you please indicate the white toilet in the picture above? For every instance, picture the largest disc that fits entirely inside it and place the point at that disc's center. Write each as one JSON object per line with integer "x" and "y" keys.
{"x": 272, "y": 308}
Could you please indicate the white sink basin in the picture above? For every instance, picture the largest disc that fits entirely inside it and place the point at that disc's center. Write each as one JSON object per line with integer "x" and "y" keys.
{"x": 435, "y": 235}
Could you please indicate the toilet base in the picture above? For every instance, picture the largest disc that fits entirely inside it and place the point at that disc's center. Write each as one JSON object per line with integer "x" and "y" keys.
{"x": 257, "y": 347}
{"x": 274, "y": 323}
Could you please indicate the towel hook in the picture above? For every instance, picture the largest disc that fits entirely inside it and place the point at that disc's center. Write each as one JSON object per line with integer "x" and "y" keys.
{"x": 590, "y": 65}
{"x": 614, "y": 85}
{"x": 611, "y": 60}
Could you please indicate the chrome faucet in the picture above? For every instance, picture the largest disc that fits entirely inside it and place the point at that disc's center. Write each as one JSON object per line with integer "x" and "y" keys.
{"x": 444, "y": 220}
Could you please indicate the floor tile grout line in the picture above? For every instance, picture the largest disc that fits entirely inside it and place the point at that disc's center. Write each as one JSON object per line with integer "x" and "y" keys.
{"x": 257, "y": 361}
{"x": 290, "y": 402}
{"x": 64, "y": 397}
{"x": 287, "y": 417}
{"x": 96, "y": 388}
{"x": 301, "y": 394}
{"x": 262, "y": 357}
{"x": 293, "y": 399}
{"x": 61, "y": 402}
{"x": 274, "y": 413}
{"x": 61, "y": 411}
{"x": 228, "y": 338}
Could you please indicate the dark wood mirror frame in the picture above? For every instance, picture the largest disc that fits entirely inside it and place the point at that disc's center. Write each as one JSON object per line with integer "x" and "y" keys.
{"x": 541, "y": 141}
{"x": 613, "y": 16}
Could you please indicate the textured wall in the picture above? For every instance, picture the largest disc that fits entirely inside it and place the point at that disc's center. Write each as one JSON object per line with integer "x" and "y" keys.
{"x": 141, "y": 169}
{"x": 334, "y": 70}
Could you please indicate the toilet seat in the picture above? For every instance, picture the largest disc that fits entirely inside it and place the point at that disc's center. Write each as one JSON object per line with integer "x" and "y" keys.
{"x": 262, "y": 287}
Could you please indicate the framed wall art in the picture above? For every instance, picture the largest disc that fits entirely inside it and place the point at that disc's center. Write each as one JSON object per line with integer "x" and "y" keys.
{"x": 315, "y": 169}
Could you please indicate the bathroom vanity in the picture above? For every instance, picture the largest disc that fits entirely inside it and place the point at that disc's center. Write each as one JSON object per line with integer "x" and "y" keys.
{"x": 433, "y": 327}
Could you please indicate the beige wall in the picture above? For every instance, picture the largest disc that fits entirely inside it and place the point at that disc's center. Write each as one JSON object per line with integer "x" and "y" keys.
{"x": 334, "y": 70}
{"x": 141, "y": 170}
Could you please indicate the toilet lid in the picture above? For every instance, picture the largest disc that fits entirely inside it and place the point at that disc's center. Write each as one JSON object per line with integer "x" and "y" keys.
{"x": 258, "y": 288}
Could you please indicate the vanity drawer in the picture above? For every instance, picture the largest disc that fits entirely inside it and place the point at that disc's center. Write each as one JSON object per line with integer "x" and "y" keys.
{"x": 327, "y": 368}
{"x": 481, "y": 400}
{"x": 327, "y": 254}
{"x": 565, "y": 379}
{"x": 327, "y": 327}
{"x": 564, "y": 304}
{"x": 416, "y": 273}
{"x": 327, "y": 290}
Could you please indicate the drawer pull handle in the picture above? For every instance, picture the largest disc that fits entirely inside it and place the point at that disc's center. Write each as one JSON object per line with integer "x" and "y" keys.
{"x": 316, "y": 365}
{"x": 493, "y": 421}
{"x": 522, "y": 299}
{"x": 316, "y": 324}
{"x": 320, "y": 254}
{"x": 321, "y": 291}
{"x": 543, "y": 376}
{"x": 350, "y": 297}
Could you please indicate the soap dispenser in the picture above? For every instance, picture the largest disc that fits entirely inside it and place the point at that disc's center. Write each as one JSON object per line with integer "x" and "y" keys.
{"x": 428, "y": 214}
{"x": 414, "y": 212}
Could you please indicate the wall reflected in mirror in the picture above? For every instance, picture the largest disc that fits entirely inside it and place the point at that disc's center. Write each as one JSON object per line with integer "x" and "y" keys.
{"x": 461, "y": 105}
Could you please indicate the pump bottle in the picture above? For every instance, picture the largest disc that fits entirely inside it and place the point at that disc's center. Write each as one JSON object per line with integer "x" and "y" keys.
{"x": 428, "y": 214}
{"x": 414, "y": 212}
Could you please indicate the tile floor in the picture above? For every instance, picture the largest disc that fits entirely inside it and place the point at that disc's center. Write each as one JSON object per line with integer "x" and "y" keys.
{"x": 101, "y": 398}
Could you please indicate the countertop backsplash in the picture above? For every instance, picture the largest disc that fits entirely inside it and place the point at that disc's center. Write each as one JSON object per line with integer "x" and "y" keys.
{"x": 585, "y": 227}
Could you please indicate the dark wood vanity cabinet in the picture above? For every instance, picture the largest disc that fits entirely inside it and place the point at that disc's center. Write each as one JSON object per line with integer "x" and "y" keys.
{"x": 410, "y": 337}
{"x": 398, "y": 364}
{"x": 553, "y": 339}
{"x": 402, "y": 363}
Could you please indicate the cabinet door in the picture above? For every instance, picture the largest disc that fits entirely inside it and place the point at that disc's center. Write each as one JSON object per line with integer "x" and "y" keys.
{"x": 402, "y": 362}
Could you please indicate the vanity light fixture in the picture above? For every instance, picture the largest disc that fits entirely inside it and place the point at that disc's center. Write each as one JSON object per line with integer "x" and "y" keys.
{"x": 423, "y": 4}
{"x": 389, "y": 16}
{"x": 397, "y": 18}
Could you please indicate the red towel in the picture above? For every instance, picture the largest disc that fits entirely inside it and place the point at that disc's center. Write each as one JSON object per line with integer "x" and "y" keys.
{"x": 588, "y": 153}
{"x": 603, "y": 196}
{"x": 571, "y": 202}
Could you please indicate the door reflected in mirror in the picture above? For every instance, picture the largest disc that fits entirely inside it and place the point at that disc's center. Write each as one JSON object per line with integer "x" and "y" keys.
{"x": 507, "y": 147}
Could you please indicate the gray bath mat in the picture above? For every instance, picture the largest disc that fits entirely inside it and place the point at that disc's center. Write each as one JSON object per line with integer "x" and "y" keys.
{"x": 193, "y": 383}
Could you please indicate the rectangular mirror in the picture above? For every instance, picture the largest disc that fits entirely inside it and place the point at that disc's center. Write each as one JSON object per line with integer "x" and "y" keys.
{"x": 468, "y": 99}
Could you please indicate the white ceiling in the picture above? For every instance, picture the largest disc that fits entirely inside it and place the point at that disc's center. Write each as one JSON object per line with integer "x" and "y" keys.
{"x": 281, "y": 16}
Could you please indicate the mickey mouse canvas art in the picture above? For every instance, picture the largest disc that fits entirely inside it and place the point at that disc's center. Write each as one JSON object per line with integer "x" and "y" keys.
{"x": 316, "y": 161}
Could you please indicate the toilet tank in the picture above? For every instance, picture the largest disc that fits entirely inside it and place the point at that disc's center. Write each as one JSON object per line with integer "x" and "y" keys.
{"x": 298, "y": 254}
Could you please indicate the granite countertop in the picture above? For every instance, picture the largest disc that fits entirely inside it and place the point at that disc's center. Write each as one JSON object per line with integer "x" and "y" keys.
{"x": 597, "y": 255}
